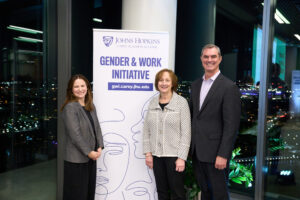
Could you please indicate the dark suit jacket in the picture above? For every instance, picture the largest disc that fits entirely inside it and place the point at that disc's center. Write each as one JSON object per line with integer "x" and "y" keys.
{"x": 215, "y": 126}
{"x": 79, "y": 134}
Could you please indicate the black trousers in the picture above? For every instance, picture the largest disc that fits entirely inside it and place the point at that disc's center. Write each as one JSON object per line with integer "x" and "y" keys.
{"x": 79, "y": 180}
{"x": 168, "y": 180}
{"x": 212, "y": 181}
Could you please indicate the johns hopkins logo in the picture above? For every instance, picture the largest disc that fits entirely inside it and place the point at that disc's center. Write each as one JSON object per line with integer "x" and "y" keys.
{"x": 108, "y": 40}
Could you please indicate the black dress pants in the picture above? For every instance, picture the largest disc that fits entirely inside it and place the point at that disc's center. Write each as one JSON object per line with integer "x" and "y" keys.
{"x": 79, "y": 180}
{"x": 168, "y": 180}
{"x": 212, "y": 181}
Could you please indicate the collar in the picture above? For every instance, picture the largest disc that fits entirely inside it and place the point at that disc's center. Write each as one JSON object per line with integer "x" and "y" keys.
{"x": 213, "y": 78}
{"x": 154, "y": 104}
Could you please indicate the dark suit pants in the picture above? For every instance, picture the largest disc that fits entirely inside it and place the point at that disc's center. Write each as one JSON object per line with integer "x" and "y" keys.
{"x": 213, "y": 182}
{"x": 79, "y": 180}
{"x": 168, "y": 180}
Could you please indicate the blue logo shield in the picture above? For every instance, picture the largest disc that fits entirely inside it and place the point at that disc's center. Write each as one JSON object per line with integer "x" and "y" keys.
{"x": 108, "y": 40}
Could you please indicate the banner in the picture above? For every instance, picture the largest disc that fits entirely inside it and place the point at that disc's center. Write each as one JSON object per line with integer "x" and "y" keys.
{"x": 124, "y": 68}
{"x": 295, "y": 100}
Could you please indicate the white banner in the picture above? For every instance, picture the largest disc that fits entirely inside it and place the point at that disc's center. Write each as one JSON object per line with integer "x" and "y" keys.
{"x": 125, "y": 64}
{"x": 295, "y": 100}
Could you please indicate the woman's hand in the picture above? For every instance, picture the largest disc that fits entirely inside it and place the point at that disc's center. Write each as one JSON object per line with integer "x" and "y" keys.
{"x": 149, "y": 160}
{"x": 99, "y": 150}
{"x": 180, "y": 165}
{"x": 94, "y": 155}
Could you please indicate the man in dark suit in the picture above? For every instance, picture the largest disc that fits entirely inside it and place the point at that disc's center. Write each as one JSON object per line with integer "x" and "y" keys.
{"x": 215, "y": 107}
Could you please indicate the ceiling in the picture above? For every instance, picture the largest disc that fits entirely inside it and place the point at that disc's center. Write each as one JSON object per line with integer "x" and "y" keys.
{"x": 250, "y": 12}
{"x": 291, "y": 10}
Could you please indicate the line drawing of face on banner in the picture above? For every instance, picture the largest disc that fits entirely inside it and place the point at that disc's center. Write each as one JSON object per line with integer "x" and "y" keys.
{"x": 139, "y": 191}
{"x": 114, "y": 161}
{"x": 137, "y": 131}
{"x": 142, "y": 188}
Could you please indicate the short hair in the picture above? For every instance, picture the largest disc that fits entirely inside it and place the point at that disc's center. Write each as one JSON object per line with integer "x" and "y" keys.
{"x": 210, "y": 46}
{"x": 71, "y": 98}
{"x": 173, "y": 78}
{"x": 275, "y": 69}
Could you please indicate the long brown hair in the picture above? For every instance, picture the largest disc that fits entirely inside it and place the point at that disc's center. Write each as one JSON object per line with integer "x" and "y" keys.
{"x": 88, "y": 100}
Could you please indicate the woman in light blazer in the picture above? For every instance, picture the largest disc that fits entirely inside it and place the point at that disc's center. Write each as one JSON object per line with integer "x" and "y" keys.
{"x": 167, "y": 136}
{"x": 83, "y": 140}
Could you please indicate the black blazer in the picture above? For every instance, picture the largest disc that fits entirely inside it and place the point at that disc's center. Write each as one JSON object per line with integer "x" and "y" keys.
{"x": 215, "y": 126}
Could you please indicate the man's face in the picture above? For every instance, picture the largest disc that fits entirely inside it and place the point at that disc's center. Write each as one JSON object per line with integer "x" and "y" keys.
{"x": 211, "y": 60}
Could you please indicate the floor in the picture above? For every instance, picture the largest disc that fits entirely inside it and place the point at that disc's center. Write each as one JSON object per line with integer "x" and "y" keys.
{"x": 38, "y": 182}
{"x": 35, "y": 182}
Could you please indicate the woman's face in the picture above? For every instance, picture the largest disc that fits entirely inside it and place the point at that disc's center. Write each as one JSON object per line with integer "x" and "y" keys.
{"x": 79, "y": 89}
{"x": 165, "y": 83}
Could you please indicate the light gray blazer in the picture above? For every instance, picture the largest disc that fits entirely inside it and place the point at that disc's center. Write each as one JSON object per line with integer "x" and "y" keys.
{"x": 167, "y": 133}
{"x": 79, "y": 136}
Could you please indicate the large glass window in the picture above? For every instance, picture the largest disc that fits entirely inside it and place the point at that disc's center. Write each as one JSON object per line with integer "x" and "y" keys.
{"x": 283, "y": 113}
{"x": 238, "y": 33}
{"x": 28, "y": 106}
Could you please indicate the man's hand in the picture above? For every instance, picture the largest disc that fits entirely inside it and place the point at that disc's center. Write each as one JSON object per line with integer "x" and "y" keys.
{"x": 220, "y": 163}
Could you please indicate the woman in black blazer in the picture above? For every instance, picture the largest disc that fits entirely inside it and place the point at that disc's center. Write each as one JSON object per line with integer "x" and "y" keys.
{"x": 83, "y": 140}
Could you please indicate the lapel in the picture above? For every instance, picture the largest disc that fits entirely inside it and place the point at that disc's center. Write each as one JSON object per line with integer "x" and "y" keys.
{"x": 154, "y": 103}
{"x": 216, "y": 84}
{"x": 95, "y": 120}
{"x": 172, "y": 105}
{"x": 198, "y": 88}
{"x": 86, "y": 118}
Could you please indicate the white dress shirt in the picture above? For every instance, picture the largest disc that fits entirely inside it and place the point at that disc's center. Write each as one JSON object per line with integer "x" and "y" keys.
{"x": 205, "y": 87}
